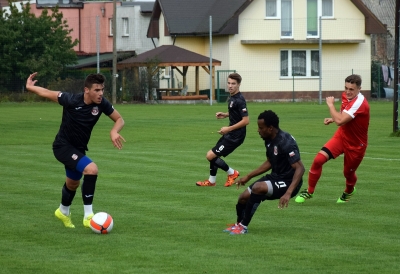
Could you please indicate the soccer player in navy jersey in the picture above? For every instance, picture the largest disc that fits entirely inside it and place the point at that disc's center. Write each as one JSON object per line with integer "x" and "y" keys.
{"x": 80, "y": 113}
{"x": 284, "y": 181}
{"x": 350, "y": 139}
{"x": 232, "y": 136}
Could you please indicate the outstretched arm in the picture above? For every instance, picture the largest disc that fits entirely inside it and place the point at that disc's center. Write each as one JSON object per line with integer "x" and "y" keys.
{"x": 116, "y": 138}
{"x": 42, "y": 92}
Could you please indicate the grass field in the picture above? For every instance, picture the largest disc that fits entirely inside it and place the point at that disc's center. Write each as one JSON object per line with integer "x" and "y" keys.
{"x": 163, "y": 223}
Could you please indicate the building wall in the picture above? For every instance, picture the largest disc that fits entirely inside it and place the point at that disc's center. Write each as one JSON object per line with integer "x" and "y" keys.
{"x": 84, "y": 27}
{"x": 261, "y": 62}
{"x": 138, "y": 24}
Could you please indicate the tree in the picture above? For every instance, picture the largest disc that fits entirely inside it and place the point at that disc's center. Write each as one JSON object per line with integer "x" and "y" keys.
{"x": 28, "y": 44}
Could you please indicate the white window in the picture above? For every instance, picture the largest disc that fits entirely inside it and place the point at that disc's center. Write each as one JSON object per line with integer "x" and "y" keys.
{"x": 299, "y": 63}
{"x": 281, "y": 9}
{"x": 111, "y": 26}
{"x": 125, "y": 26}
{"x": 316, "y": 9}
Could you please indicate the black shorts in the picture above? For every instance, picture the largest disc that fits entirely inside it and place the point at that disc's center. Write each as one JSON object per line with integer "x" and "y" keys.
{"x": 70, "y": 157}
{"x": 224, "y": 147}
{"x": 276, "y": 188}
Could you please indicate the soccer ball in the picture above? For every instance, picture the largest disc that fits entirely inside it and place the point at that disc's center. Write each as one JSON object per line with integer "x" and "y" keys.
{"x": 101, "y": 223}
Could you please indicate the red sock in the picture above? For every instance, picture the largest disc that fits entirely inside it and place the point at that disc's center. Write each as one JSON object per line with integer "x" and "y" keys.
{"x": 351, "y": 180}
{"x": 315, "y": 171}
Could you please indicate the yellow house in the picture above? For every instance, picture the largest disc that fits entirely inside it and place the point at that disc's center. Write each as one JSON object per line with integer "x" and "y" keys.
{"x": 284, "y": 49}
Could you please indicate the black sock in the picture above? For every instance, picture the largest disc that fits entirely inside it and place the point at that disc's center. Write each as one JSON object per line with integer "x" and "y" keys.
{"x": 213, "y": 169}
{"x": 67, "y": 195}
{"x": 218, "y": 162}
{"x": 88, "y": 187}
{"x": 251, "y": 207}
{"x": 240, "y": 211}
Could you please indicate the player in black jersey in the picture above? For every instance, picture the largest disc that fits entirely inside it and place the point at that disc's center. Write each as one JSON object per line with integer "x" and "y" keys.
{"x": 284, "y": 181}
{"x": 80, "y": 113}
{"x": 232, "y": 136}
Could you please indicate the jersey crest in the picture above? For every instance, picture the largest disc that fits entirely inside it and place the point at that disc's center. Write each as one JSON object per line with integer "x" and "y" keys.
{"x": 275, "y": 150}
{"x": 95, "y": 111}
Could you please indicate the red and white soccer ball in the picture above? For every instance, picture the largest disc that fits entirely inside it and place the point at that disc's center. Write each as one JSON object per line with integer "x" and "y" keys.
{"x": 101, "y": 223}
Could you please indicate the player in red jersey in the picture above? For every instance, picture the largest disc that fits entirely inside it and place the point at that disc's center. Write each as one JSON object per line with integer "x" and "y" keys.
{"x": 350, "y": 139}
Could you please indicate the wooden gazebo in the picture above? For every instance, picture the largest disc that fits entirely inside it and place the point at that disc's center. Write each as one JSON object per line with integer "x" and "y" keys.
{"x": 175, "y": 57}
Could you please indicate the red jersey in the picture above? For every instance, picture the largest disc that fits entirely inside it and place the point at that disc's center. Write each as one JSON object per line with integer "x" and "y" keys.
{"x": 355, "y": 132}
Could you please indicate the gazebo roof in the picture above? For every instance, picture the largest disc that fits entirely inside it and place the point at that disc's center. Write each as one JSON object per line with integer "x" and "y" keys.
{"x": 168, "y": 55}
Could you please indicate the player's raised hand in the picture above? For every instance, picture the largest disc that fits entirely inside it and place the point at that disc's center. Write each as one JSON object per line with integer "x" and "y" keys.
{"x": 330, "y": 100}
{"x": 30, "y": 81}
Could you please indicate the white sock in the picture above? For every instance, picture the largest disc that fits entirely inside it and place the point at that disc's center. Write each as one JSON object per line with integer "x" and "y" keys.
{"x": 88, "y": 210}
{"x": 64, "y": 210}
{"x": 230, "y": 171}
{"x": 212, "y": 179}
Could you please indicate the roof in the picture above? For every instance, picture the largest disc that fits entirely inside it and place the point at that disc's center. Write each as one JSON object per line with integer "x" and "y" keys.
{"x": 92, "y": 60}
{"x": 168, "y": 55}
{"x": 191, "y": 17}
{"x": 372, "y": 24}
{"x": 145, "y": 6}
{"x": 384, "y": 10}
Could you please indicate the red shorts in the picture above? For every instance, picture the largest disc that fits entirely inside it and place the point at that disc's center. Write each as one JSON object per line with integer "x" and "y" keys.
{"x": 352, "y": 155}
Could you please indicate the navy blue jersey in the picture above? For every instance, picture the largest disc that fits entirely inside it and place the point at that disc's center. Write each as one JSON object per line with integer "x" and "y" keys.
{"x": 237, "y": 110}
{"x": 78, "y": 119}
{"x": 282, "y": 152}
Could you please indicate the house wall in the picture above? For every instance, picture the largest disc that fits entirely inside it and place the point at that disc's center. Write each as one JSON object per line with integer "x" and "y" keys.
{"x": 83, "y": 25}
{"x": 261, "y": 62}
{"x": 138, "y": 24}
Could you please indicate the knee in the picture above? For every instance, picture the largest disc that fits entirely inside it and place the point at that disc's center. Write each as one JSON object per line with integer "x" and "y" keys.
{"x": 210, "y": 155}
{"x": 72, "y": 184}
{"x": 91, "y": 169}
{"x": 244, "y": 197}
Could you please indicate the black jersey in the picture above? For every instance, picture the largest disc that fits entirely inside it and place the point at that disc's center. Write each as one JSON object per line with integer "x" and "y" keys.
{"x": 78, "y": 119}
{"x": 237, "y": 110}
{"x": 282, "y": 152}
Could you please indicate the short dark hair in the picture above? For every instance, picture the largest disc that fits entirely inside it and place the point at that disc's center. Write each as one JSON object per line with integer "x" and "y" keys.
{"x": 235, "y": 76}
{"x": 354, "y": 79}
{"x": 94, "y": 78}
{"x": 270, "y": 118}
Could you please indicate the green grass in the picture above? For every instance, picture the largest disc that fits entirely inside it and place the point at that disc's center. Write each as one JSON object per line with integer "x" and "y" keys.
{"x": 163, "y": 223}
